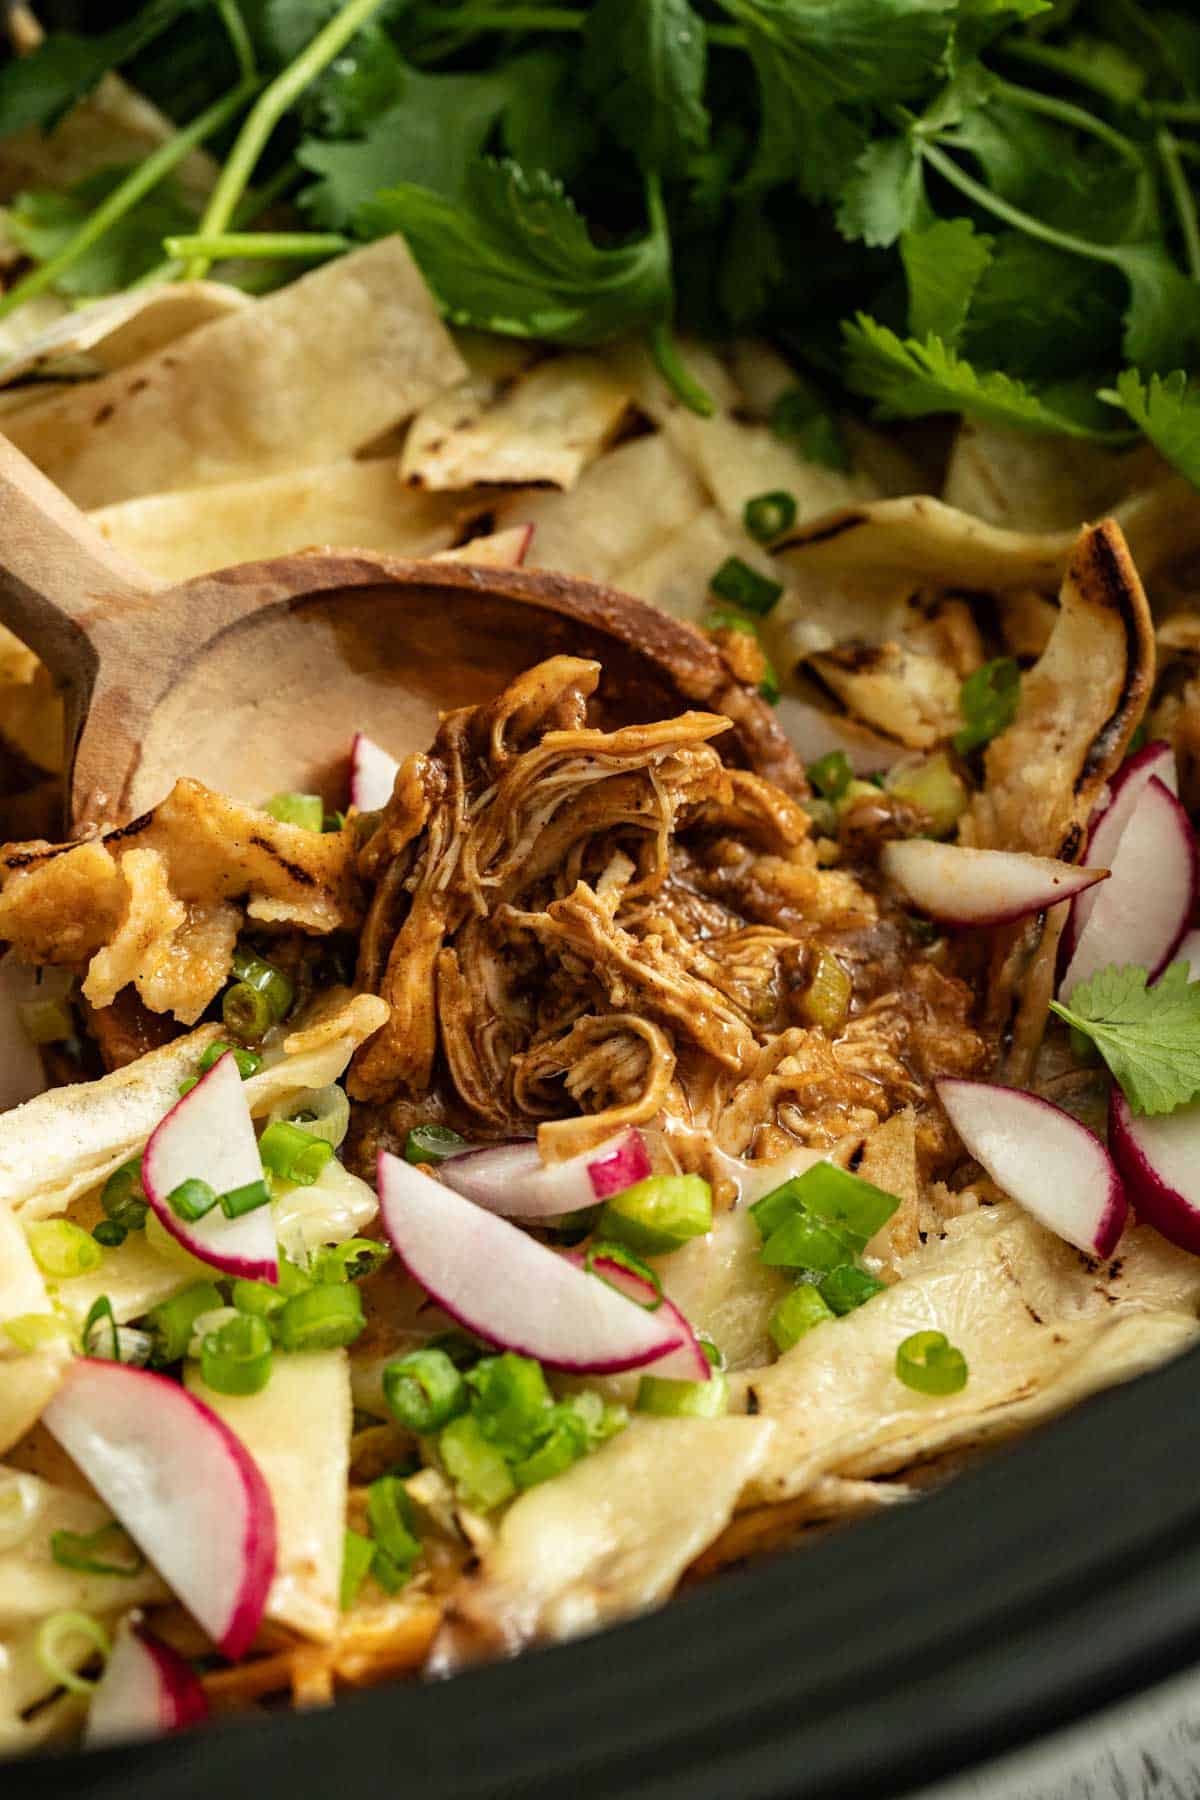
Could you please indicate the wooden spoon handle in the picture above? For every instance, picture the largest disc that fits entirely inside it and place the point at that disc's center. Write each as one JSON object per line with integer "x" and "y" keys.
{"x": 59, "y": 580}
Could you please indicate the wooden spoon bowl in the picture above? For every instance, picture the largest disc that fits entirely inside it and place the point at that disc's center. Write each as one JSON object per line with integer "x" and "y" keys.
{"x": 255, "y": 678}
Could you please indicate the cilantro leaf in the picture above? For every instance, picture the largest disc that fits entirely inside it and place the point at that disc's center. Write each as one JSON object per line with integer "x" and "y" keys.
{"x": 547, "y": 123}
{"x": 752, "y": 263}
{"x": 813, "y": 59}
{"x": 908, "y": 379}
{"x": 1168, "y": 411}
{"x": 432, "y": 135}
{"x": 1148, "y": 1036}
{"x": 37, "y": 89}
{"x": 42, "y": 222}
{"x": 943, "y": 265}
{"x": 1162, "y": 322}
{"x": 644, "y": 62}
{"x": 1042, "y": 314}
{"x": 513, "y": 255}
{"x": 885, "y": 195}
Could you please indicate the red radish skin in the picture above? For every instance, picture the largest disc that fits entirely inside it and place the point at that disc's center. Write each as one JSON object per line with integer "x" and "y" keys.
{"x": 183, "y": 1486}
{"x": 1055, "y": 1167}
{"x": 146, "y": 1690}
{"x": 512, "y": 1181}
{"x": 962, "y": 886}
{"x": 209, "y": 1135}
{"x": 372, "y": 774}
{"x": 1109, "y": 822}
{"x": 1159, "y": 1159}
{"x": 1142, "y": 913}
{"x": 504, "y": 1286}
{"x": 688, "y": 1362}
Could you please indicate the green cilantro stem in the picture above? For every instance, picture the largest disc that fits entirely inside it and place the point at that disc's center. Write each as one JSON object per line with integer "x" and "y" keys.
{"x": 208, "y": 246}
{"x": 239, "y": 37}
{"x": 1179, "y": 112}
{"x": 1061, "y": 62}
{"x": 1077, "y": 117}
{"x": 126, "y": 195}
{"x": 252, "y": 205}
{"x": 663, "y": 347}
{"x": 552, "y": 18}
{"x": 1180, "y": 191}
{"x": 268, "y": 110}
{"x": 1012, "y": 215}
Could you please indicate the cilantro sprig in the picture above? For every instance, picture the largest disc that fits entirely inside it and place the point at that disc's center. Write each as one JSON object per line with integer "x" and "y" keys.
{"x": 979, "y": 207}
{"x": 1149, "y": 1035}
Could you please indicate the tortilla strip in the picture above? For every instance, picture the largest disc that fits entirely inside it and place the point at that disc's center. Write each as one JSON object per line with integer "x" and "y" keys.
{"x": 1027, "y": 482}
{"x": 113, "y": 124}
{"x": 1080, "y": 705}
{"x": 676, "y": 572}
{"x": 541, "y": 426}
{"x": 32, "y": 1584}
{"x": 907, "y": 695}
{"x": 120, "y": 329}
{"x": 345, "y": 503}
{"x": 736, "y": 461}
{"x": 1040, "y": 1326}
{"x": 921, "y": 539}
{"x": 298, "y": 378}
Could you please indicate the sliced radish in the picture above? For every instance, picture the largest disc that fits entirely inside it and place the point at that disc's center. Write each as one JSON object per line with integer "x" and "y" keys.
{"x": 513, "y": 1181}
{"x": 813, "y": 733}
{"x": 181, "y": 1484}
{"x": 1055, "y": 1167}
{"x": 1160, "y": 1160}
{"x": 980, "y": 887}
{"x": 22, "y": 1076}
{"x": 146, "y": 1690}
{"x": 505, "y": 549}
{"x": 1142, "y": 913}
{"x": 508, "y": 1288}
{"x": 1109, "y": 822}
{"x": 209, "y": 1136}
{"x": 688, "y": 1362}
{"x": 372, "y": 774}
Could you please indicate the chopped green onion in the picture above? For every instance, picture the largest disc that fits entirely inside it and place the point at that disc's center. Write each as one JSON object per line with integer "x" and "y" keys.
{"x": 735, "y": 580}
{"x": 49, "y": 1647}
{"x": 565, "y": 1443}
{"x": 433, "y": 1144}
{"x": 462, "y": 1349}
{"x": 100, "y": 1312}
{"x": 33, "y": 1331}
{"x": 477, "y": 1468}
{"x": 323, "y": 1318}
{"x": 323, "y": 1112}
{"x": 987, "y": 701}
{"x": 187, "y": 1084}
{"x": 46, "y": 1021}
{"x": 831, "y": 774}
{"x": 294, "y": 1154}
{"x": 768, "y": 687}
{"x": 658, "y": 1214}
{"x": 267, "y": 979}
{"x": 357, "y": 1552}
{"x": 600, "y": 1418}
{"x": 247, "y": 1012}
{"x": 683, "y": 1399}
{"x": 122, "y": 1197}
{"x": 352, "y": 1261}
{"x": 511, "y": 1399}
{"x": 236, "y": 1358}
{"x": 248, "y": 1062}
{"x": 932, "y": 784}
{"x": 258, "y": 1298}
{"x": 856, "y": 1207}
{"x": 600, "y": 1250}
{"x": 795, "y": 1314}
{"x": 390, "y": 1516}
{"x": 846, "y": 1288}
{"x": 292, "y": 1278}
{"x": 334, "y": 821}
{"x": 242, "y": 1200}
{"x": 192, "y": 1200}
{"x": 62, "y": 1249}
{"x": 423, "y": 1391}
{"x": 930, "y": 1364}
{"x": 803, "y": 1242}
{"x": 768, "y": 515}
{"x": 109, "y": 1235}
{"x": 305, "y": 810}
{"x": 78, "y": 1550}
{"x": 171, "y": 1321}
{"x": 720, "y": 620}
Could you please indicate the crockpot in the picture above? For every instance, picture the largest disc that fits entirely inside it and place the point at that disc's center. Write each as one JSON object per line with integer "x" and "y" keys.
{"x": 1059, "y": 1575}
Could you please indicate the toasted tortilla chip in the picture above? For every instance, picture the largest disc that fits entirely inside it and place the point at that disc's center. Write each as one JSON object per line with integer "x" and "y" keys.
{"x": 831, "y": 1500}
{"x": 610, "y": 1537}
{"x": 495, "y": 550}
{"x": 298, "y": 1432}
{"x": 907, "y": 695}
{"x": 296, "y": 379}
{"x": 736, "y": 461}
{"x": 675, "y": 575}
{"x": 721, "y": 1284}
{"x": 66, "y": 1142}
{"x": 542, "y": 426}
{"x": 352, "y": 504}
{"x": 921, "y": 540}
{"x": 603, "y": 526}
{"x": 1040, "y": 1326}
{"x": 1026, "y": 481}
{"x": 120, "y": 329}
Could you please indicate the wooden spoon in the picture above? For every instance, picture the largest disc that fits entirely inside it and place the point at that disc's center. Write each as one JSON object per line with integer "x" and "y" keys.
{"x": 255, "y": 678}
